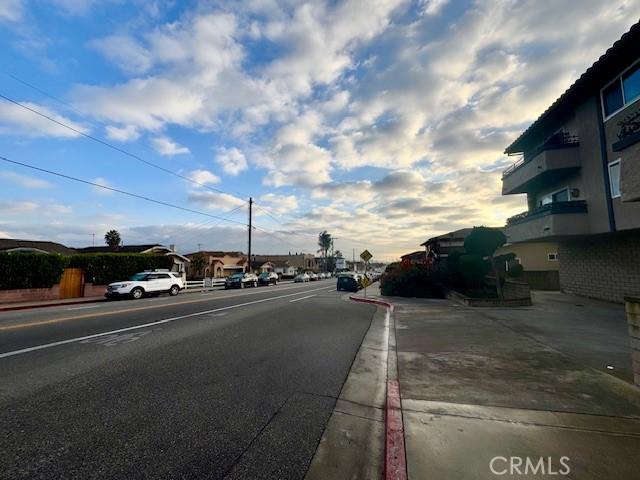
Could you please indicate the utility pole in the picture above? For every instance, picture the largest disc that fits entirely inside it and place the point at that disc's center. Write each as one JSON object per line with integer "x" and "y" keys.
{"x": 250, "y": 227}
{"x": 199, "y": 246}
{"x": 354, "y": 260}
{"x": 93, "y": 239}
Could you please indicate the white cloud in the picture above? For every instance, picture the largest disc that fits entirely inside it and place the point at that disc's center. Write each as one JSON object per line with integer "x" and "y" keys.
{"x": 15, "y": 120}
{"x": 166, "y": 146}
{"x": 11, "y": 10}
{"x": 14, "y": 207}
{"x": 231, "y": 160}
{"x": 24, "y": 181}
{"x": 104, "y": 182}
{"x": 204, "y": 177}
{"x": 433, "y": 7}
{"x": 215, "y": 200}
{"x": 279, "y": 204}
{"x": 124, "y": 51}
{"x": 128, "y": 133}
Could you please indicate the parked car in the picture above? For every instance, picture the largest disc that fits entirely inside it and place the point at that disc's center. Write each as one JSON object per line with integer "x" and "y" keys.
{"x": 348, "y": 282}
{"x": 301, "y": 278}
{"x": 146, "y": 283}
{"x": 241, "y": 280}
{"x": 322, "y": 276}
{"x": 268, "y": 278}
{"x": 313, "y": 276}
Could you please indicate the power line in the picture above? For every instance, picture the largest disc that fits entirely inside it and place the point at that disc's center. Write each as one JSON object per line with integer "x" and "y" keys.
{"x": 123, "y": 192}
{"x": 113, "y": 147}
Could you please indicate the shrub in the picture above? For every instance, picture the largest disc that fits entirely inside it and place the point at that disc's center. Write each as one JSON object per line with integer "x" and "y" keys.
{"x": 31, "y": 270}
{"x": 415, "y": 281}
{"x": 515, "y": 270}
{"x": 104, "y": 268}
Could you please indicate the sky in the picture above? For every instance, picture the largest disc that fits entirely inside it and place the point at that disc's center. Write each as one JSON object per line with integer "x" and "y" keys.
{"x": 383, "y": 122}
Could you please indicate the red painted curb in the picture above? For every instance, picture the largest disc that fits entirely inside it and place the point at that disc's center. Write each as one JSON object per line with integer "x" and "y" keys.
{"x": 395, "y": 463}
{"x": 43, "y": 305}
{"x": 395, "y": 457}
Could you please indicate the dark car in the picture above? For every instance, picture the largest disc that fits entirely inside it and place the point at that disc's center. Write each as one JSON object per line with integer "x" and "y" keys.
{"x": 268, "y": 278}
{"x": 241, "y": 280}
{"x": 348, "y": 283}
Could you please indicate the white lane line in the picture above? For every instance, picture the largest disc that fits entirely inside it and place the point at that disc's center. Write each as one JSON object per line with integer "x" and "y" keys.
{"x": 84, "y": 308}
{"x": 150, "y": 324}
{"x": 302, "y": 298}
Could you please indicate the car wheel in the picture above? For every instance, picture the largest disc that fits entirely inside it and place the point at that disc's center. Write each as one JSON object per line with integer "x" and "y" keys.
{"x": 174, "y": 290}
{"x": 137, "y": 293}
{"x": 241, "y": 284}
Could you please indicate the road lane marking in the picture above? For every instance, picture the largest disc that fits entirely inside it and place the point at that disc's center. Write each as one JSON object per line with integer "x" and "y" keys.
{"x": 135, "y": 309}
{"x": 150, "y": 324}
{"x": 298, "y": 299}
{"x": 113, "y": 340}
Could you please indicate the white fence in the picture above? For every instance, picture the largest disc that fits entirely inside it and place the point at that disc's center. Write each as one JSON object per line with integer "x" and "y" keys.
{"x": 204, "y": 283}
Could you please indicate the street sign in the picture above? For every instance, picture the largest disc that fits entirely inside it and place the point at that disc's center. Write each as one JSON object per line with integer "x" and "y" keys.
{"x": 366, "y": 255}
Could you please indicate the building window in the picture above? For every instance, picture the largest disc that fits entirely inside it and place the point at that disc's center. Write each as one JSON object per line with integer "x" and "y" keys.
{"x": 614, "y": 178}
{"x": 623, "y": 91}
{"x": 552, "y": 257}
{"x": 561, "y": 196}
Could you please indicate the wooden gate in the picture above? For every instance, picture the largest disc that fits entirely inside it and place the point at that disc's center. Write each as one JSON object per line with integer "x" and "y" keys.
{"x": 72, "y": 283}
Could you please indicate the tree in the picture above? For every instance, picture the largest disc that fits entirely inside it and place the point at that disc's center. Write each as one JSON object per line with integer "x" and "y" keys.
{"x": 324, "y": 242}
{"x": 198, "y": 263}
{"x": 338, "y": 254}
{"x": 484, "y": 241}
{"x": 112, "y": 238}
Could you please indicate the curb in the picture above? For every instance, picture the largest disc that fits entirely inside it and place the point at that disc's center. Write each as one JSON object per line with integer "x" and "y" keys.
{"x": 43, "y": 305}
{"x": 395, "y": 456}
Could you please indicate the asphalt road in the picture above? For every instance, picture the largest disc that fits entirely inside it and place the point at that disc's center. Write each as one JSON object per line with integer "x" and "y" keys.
{"x": 227, "y": 384}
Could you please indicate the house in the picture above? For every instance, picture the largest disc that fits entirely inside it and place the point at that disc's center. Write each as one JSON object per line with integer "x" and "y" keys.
{"x": 299, "y": 261}
{"x": 12, "y": 245}
{"x": 219, "y": 264}
{"x": 283, "y": 269}
{"x": 539, "y": 261}
{"x": 579, "y": 168}
{"x": 180, "y": 262}
{"x": 418, "y": 257}
{"x": 441, "y": 246}
{"x": 262, "y": 267}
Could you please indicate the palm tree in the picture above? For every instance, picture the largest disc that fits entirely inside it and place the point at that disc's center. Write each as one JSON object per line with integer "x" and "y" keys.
{"x": 112, "y": 238}
{"x": 324, "y": 242}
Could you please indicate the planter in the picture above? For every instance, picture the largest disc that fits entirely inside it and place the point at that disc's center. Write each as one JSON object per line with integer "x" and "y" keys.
{"x": 487, "y": 302}
{"x": 632, "y": 307}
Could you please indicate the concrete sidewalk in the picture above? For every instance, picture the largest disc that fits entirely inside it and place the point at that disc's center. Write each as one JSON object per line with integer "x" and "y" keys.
{"x": 492, "y": 393}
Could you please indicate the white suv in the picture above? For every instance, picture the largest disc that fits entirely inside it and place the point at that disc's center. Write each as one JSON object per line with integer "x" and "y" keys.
{"x": 140, "y": 284}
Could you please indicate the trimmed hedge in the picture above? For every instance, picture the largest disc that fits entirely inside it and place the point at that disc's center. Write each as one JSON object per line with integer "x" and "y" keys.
{"x": 43, "y": 270}
{"x": 31, "y": 270}
{"x": 412, "y": 281}
{"x": 104, "y": 268}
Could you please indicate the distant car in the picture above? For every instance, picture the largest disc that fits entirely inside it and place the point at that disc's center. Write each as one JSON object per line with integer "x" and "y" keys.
{"x": 302, "y": 278}
{"x": 348, "y": 282}
{"x": 323, "y": 276}
{"x": 268, "y": 278}
{"x": 146, "y": 283}
{"x": 241, "y": 280}
{"x": 313, "y": 276}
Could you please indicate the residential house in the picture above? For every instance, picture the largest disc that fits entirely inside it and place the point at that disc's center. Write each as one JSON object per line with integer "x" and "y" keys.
{"x": 539, "y": 261}
{"x": 418, "y": 257}
{"x": 441, "y": 246}
{"x": 12, "y": 245}
{"x": 299, "y": 261}
{"x": 180, "y": 262}
{"x": 579, "y": 167}
{"x": 219, "y": 264}
{"x": 283, "y": 269}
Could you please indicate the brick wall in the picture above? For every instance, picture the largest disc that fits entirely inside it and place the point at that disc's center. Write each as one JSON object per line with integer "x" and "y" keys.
{"x": 604, "y": 267}
{"x": 29, "y": 294}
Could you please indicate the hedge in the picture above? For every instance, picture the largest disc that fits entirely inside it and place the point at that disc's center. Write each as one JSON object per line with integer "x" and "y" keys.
{"x": 30, "y": 270}
{"x": 43, "y": 270}
{"x": 104, "y": 268}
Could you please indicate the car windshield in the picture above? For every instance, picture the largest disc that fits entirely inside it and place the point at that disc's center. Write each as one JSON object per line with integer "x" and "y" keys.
{"x": 264, "y": 275}
{"x": 237, "y": 275}
{"x": 139, "y": 277}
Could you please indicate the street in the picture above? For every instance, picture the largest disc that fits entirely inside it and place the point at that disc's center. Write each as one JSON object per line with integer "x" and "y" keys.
{"x": 224, "y": 384}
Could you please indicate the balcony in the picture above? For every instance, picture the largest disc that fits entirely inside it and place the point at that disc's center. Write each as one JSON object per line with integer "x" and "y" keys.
{"x": 554, "y": 160}
{"x": 558, "y": 219}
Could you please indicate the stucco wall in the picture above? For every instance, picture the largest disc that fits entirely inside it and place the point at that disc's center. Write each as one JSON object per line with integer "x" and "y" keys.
{"x": 605, "y": 267}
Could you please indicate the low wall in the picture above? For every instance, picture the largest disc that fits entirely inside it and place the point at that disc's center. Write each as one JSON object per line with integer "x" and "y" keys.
{"x": 632, "y": 305}
{"x": 516, "y": 294}
{"x": 542, "y": 280}
{"x": 91, "y": 290}
{"x": 29, "y": 294}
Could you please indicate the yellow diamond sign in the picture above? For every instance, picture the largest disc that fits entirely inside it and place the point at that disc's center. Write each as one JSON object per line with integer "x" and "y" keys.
{"x": 366, "y": 255}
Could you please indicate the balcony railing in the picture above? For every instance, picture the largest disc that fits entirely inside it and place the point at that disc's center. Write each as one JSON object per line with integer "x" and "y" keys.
{"x": 554, "y": 208}
{"x": 556, "y": 141}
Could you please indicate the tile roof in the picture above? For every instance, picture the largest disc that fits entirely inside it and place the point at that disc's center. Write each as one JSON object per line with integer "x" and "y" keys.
{"x": 49, "y": 247}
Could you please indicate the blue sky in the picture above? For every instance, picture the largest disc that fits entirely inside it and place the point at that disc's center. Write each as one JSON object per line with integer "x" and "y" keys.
{"x": 383, "y": 122}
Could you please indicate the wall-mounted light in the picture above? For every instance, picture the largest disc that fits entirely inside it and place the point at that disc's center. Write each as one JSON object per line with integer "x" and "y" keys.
{"x": 575, "y": 192}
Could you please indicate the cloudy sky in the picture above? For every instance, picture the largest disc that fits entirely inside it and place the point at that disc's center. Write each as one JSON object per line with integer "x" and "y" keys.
{"x": 382, "y": 121}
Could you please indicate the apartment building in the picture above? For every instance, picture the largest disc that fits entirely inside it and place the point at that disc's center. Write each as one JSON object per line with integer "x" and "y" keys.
{"x": 579, "y": 165}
